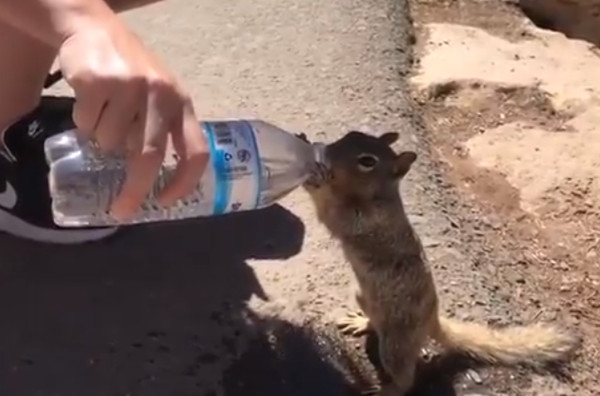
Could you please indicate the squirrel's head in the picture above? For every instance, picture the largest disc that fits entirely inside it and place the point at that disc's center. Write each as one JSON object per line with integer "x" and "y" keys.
{"x": 366, "y": 165}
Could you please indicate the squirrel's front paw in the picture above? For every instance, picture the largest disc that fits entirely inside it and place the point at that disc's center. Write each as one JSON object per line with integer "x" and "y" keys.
{"x": 319, "y": 176}
{"x": 302, "y": 136}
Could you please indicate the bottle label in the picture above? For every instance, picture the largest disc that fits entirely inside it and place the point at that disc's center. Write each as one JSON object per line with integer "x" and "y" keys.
{"x": 236, "y": 162}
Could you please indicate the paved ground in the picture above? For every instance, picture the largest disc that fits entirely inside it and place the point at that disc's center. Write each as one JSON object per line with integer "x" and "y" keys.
{"x": 179, "y": 310}
{"x": 162, "y": 310}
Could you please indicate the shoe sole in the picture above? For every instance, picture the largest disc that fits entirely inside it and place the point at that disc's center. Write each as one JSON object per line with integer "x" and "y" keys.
{"x": 13, "y": 225}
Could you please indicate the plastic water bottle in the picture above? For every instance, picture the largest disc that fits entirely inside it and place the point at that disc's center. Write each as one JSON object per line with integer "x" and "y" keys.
{"x": 252, "y": 165}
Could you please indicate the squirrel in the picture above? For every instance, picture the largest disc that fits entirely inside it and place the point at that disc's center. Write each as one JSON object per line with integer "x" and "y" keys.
{"x": 356, "y": 195}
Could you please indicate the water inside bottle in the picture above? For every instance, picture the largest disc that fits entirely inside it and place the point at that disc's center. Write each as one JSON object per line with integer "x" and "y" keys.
{"x": 84, "y": 182}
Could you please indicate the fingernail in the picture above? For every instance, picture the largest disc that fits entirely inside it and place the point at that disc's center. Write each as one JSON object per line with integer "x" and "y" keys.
{"x": 119, "y": 211}
{"x": 166, "y": 198}
{"x": 165, "y": 202}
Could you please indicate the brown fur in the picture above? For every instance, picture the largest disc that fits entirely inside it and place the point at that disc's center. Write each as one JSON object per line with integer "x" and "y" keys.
{"x": 357, "y": 198}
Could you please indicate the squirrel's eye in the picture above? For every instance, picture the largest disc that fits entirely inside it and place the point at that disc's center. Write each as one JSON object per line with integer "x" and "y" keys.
{"x": 366, "y": 162}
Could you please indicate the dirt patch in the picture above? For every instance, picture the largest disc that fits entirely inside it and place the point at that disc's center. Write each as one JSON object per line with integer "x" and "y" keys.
{"x": 462, "y": 110}
{"x": 515, "y": 123}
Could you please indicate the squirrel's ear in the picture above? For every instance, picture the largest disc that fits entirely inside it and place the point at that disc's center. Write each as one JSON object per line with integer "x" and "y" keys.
{"x": 404, "y": 161}
{"x": 389, "y": 138}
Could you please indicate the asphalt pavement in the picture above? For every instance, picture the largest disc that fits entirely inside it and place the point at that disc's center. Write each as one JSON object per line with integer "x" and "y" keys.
{"x": 168, "y": 309}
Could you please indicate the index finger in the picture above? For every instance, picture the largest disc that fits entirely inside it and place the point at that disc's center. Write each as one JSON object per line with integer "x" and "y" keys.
{"x": 191, "y": 146}
{"x": 143, "y": 166}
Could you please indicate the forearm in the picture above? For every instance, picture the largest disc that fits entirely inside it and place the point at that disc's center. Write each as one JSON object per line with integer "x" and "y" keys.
{"x": 52, "y": 21}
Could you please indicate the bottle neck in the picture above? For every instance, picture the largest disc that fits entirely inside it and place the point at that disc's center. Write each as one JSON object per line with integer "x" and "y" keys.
{"x": 319, "y": 153}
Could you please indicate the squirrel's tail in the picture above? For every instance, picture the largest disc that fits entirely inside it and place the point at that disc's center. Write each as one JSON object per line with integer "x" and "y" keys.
{"x": 534, "y": 345}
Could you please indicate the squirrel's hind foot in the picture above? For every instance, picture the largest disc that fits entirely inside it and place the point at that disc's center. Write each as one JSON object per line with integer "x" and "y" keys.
{"x": 354, "y": 323}
{"x": 371, "y": 391}
{"x": 389, "y": 390}
{"x": 384, "y": 389}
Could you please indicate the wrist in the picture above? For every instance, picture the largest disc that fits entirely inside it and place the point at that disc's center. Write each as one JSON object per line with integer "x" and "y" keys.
{"x": 53, "y": 21}
{"x": 83, "y": 16}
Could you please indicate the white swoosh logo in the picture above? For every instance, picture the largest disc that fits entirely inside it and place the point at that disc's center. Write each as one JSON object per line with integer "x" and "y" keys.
{"x": 8, "y": 198}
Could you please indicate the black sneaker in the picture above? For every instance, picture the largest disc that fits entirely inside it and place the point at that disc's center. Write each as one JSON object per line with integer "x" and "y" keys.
{"x": 25, "y": 205}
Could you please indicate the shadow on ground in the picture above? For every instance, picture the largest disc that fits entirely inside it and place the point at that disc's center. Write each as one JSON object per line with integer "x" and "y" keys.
{"x": 155, "y": 311}
{"x": 435, "y": 377}
{"x": 313, "y": 360}
{"x": 316, "y": 360}
{"x": 161, "y": 310}
{"x": 576, "y": 19}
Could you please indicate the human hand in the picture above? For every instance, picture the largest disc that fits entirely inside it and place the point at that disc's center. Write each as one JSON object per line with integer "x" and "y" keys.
{"x": 129, "y": 102}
